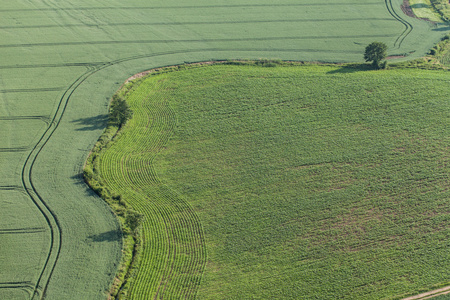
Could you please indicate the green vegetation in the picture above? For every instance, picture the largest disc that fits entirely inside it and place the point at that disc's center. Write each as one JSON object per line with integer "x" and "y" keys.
{"x": 119, "y": 112}
{"x": 376, "y": 52}
{"x": 320, "y": 181}
{"x": 437, "y": 59}
{"x": 441, "y": 52}
{"x": 62, "y": 61}
{"x": 129, "y": 218}
{"x": 173, "y": 256}
{"x": 424, "y": 10}
{"x": 443, "y": 8}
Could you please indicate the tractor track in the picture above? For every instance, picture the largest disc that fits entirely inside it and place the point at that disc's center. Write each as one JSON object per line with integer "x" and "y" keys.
{"x": 408, "y": 26}
{"x": 50, "y": 217}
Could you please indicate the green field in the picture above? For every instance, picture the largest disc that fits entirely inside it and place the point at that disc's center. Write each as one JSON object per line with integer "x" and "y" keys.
{"x": 423, "y": 9}
{"x": 62, "y": 60}
{"x": 309, "y": 181}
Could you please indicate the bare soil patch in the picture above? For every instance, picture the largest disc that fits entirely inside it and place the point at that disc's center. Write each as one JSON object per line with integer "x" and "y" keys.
{"x": 406, "y": 8}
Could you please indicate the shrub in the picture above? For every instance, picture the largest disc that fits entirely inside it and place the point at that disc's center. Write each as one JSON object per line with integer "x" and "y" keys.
{"x": 119, "y": 112}
{"x": 133, "y": 220}
{"x": 375, "y": 52}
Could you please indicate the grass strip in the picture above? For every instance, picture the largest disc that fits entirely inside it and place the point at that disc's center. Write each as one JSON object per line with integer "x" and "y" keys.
{"x": 131, "y": 236}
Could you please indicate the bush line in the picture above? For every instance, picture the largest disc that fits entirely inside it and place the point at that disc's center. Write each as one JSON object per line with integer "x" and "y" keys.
{"x": 130, "y": 232}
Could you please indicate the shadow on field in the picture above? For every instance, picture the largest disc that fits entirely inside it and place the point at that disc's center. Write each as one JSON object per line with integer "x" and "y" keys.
{"x": 78, "y": 178}
{"x": 92, "y": 123}
{"x": 441, "y": 29}
{"x": 352, "y": 68}
{"x": 109, "y": 236}
{"x": 420, "y": 5}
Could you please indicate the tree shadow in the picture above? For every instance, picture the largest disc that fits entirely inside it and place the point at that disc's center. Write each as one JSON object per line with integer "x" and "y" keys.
{"x": 352, "y": 68}
{"x": 109, "y": 236}
{"x": 92, "y": 123}
{"x": 441, "y": 29}
{"x": 79, "y": 180}
{"x": 420, "y": 5}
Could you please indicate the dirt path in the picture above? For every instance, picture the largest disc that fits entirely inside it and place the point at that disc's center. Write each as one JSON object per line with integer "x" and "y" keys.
{"x": 431, "y": 294}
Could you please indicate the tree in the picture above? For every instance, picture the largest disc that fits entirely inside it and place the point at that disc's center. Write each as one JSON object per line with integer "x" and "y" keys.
{"x": 133, "y": 219}
{"x": 119, "y": 112}
{"x": 375, "y": 52}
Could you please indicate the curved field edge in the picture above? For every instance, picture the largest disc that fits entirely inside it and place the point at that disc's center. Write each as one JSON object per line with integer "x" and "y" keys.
{"x": 132, "y": 163}
{"x": 132, "y": 238}
{"x": 171, "y": 268}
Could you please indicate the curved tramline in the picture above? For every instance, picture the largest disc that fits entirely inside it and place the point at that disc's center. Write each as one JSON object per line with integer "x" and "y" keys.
{"x": 408, "y": 26}
{"x": 173, "y": 255}
{"x": 54, "y": 248}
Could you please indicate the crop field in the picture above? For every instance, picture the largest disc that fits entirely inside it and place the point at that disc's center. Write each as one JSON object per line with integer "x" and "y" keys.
{"x": 307, "y": 181}
{"x": 60, "y": 62}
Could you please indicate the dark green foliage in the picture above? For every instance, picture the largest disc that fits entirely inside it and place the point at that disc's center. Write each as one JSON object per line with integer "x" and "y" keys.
{"x": 270, "y": 63}
{"x": 133, "y": 219}
{"x": 375, "y": 52}
{"x": 119, "y": 112}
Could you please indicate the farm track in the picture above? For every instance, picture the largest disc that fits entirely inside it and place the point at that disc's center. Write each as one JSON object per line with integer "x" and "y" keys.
{"x": 408, "y": 26}
{"x": 49, "y": 215}
{"x": 430, "y": 294}
{"x": 26, "y": 286}
{"x": 37, "y": 290}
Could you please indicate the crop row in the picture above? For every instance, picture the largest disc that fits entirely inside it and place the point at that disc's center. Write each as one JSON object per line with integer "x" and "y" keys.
{"x": 173, "y": 255}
